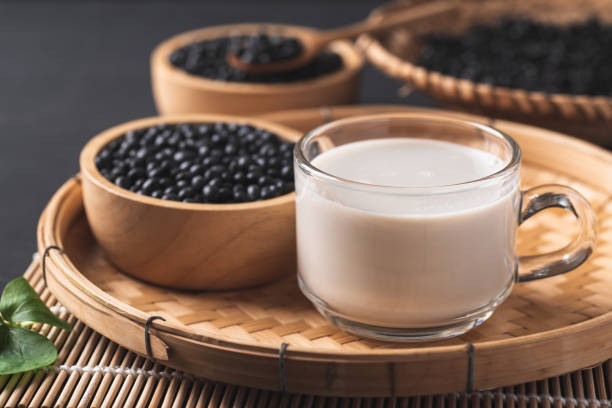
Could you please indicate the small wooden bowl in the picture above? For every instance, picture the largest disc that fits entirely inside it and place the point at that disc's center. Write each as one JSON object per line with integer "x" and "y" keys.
{"x": 396, "y": 53}
{"x": 177, "y": 92}
{"x": 185, "y": 245}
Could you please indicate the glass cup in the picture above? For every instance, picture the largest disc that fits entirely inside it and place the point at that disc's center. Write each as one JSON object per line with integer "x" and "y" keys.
{"x": 421, "y": 263}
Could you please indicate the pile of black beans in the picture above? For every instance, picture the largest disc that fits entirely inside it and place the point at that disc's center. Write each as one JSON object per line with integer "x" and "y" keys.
{"x": 521, "y": 53}
{"x": 263, "y": 49}
{"x": 200, "y": 163}
{"x": 208, "y": 59}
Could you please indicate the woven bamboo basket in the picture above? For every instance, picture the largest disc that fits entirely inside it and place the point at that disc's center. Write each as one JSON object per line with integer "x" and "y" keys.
{"x": 272, "y": 338}
{"x": 395, "y": 53}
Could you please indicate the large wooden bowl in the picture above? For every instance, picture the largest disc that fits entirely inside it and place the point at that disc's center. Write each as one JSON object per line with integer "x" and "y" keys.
{"x": 185, "y": 245}
{"x": 178, "y": 92}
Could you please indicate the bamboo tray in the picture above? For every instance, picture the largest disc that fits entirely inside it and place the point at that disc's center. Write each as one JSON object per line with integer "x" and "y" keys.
{"x": 545, "y": 328}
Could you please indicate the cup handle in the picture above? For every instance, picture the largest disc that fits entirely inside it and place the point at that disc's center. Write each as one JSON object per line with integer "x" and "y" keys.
{"x": 576, "y": 252}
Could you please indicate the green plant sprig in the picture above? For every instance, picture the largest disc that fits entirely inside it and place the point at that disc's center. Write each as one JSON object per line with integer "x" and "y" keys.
{"x": 22, "y": 349}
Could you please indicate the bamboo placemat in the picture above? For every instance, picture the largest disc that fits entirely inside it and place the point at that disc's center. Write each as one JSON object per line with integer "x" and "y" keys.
{"x": 92, "y": 371}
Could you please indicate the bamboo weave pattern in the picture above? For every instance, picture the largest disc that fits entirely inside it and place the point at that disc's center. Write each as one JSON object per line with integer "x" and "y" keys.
{"x": 278, "y": 313}
{"x": 93, "y": 372}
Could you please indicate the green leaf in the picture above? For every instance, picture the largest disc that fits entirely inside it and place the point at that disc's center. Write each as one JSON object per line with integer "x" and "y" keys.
{"x": 24, "y": 350}
{"x": 20, "y": 304}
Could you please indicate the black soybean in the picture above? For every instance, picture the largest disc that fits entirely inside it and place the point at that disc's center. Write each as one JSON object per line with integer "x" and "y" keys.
{"x": 210, "y": 193}
{"x": 198, "y": 182}
{"x": 286, "y": 172}
{"x": 171, "y": 197}
{"x": 240, "y": 196}
{"x": 185, "y": 193}
{"x": 225, "y": 194}
{"x": 123, "y": 182}
{"x": 253, "y": 192}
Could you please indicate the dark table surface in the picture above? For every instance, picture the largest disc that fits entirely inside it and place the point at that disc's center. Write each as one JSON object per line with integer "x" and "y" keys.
{"x": 71, "y": 69}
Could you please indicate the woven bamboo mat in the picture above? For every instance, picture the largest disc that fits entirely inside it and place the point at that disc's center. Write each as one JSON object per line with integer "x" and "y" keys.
{"x": 92, "y": 371}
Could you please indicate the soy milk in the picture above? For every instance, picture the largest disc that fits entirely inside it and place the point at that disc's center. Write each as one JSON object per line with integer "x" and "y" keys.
{"x": 411, "y": 254}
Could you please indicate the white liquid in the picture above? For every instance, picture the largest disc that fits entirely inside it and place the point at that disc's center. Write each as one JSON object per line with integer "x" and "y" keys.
{"x": 408, "y": 162}
{"x": 401, "y": 259}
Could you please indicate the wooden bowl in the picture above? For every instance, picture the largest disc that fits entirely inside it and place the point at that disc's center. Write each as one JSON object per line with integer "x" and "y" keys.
{"x": 588, "y": 117}
{"x": 186, "y": 245}
{"x": 178, "y": 92}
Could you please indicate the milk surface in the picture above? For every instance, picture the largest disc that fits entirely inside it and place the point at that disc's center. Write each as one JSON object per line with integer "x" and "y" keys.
{"x": 406, "y": 257}
{"x": 404, "y": 162}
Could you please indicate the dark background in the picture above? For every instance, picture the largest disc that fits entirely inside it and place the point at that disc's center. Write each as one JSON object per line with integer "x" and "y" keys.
{"x": 71, "y": 69}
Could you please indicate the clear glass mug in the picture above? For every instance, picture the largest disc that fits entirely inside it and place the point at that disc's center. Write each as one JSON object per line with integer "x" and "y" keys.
{"x": 421, "y": 263}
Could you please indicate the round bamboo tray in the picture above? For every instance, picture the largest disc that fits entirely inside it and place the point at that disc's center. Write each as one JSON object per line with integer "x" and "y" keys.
{"x": 395, "y": 53}
{"x": 177, "y": 92}
{"x": 544, "y": 328}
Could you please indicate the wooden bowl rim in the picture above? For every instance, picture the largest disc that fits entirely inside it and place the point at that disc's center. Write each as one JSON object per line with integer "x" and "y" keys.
{"x": 48, "y": 235}
{"x": 353, "y": 62}
{"x": 406, "y": 68}
{"x": 91, "y": 149}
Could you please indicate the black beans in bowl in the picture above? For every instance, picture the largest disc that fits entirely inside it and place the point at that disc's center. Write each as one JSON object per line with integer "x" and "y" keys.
{"x": 208, "y": 59}
{"x": 200, "y": 162}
